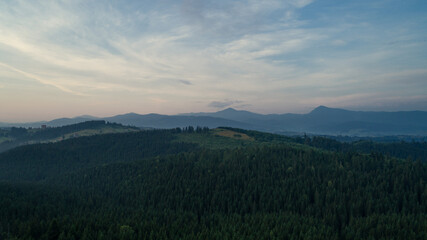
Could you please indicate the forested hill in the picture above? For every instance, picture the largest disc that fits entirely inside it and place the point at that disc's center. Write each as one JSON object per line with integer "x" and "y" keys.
{"x": 208, "y": 184}
{"x": 403, "y": 149}
{"x": 41, "y": 161}
{"x": 17, "y": 136}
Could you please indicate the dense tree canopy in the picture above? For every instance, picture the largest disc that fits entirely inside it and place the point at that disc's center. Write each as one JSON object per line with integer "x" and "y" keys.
{"x": 149, "y": 185}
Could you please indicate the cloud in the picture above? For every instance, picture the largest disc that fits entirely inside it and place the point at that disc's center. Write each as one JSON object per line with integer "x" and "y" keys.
{"x": 41, "y": 80}
{"x": 233, "y": 19}
{"x": 185, "y": 82}
{"x": 223, "y": 104}
{"x": 301, "y": 3}
{"x": 86, "y": 54}
{"x": 338, "y": 42}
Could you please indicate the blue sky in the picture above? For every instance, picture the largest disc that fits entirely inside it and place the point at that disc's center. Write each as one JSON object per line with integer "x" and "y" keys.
{"x": 68, "y": 58}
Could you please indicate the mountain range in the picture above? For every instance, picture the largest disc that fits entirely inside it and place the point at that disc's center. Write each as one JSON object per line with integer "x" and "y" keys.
{"x": 321, "y": 120}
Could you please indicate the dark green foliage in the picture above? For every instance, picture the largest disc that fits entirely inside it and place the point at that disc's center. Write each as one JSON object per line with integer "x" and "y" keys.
{"x": 146, "y": 185}
{"x": 276, "y": 178}
{"x": 17, "y": 132}
{"x": 39, "y": 161}
{"x": 53, "y": 230}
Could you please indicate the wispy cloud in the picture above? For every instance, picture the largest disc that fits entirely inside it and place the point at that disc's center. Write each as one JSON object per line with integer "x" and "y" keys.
{"x": 39, "y": 79}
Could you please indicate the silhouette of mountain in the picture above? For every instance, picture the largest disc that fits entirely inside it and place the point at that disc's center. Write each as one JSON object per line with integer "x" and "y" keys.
{"x": 321, "y": 120}
{"x": 333, "y": 121}
{"x": 231, "y": 114}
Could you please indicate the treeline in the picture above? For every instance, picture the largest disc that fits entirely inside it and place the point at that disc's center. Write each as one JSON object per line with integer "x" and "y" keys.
{"x": 191, "y": 129}
{"x": 24, "y": 134}
{"x": 270, "y": 191}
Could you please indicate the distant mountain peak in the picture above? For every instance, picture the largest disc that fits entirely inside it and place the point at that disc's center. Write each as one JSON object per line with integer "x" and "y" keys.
{"x": 229, "y": 110}
{"x": 85, "y": 116}
{"x": 324, "y": 109}
{"x": 129, "y": 114}
{"x": 321, "y": 108}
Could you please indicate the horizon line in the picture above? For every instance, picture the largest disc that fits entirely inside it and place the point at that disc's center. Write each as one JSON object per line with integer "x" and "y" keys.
{"x": 183, "y": 114}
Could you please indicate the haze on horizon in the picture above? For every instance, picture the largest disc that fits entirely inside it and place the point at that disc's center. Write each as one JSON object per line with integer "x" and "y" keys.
{"x": 68, "y": 58}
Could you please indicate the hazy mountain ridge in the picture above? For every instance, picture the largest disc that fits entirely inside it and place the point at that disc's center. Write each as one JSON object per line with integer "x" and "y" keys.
{"x": 321, "y": 120}
{"x": 59, "y": 122}
{"x": 324, "y": 120}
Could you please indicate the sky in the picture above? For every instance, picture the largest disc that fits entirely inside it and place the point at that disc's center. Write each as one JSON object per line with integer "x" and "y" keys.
{"x": 67, "y": 58}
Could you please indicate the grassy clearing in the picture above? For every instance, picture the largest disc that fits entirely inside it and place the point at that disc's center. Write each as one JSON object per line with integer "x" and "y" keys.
{"x": 90, "y": 132}
{"x": 212, "y": 140}
{"x": 232, "y": 134}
